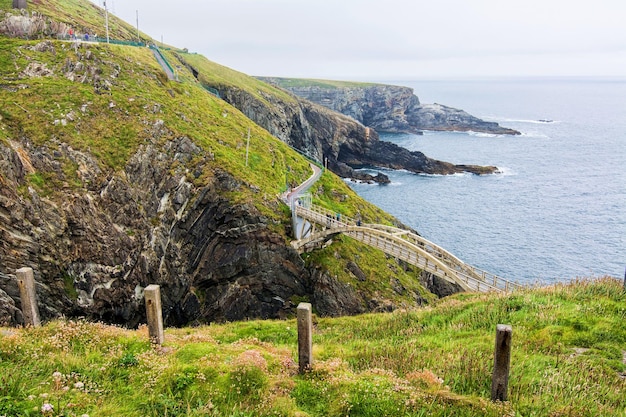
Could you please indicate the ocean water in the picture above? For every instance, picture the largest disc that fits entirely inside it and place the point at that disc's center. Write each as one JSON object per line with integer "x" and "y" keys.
{"x": 558, "y": 209}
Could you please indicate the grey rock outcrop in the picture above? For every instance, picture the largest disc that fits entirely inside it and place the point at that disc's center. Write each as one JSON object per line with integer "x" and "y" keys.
{"x": 95, "y": 248}
{"x": 30, "y": 26}
{"x": 96, "y": 236}
{"x": 9, "y": 313}
{"x": 339, "y": 141}
{"x": 390, "y": 108}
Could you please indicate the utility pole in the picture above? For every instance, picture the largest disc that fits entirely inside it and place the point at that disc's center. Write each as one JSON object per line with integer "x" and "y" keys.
{"x": 247, "y": 146}
{"x": 106, "y": 19}
{"x": 138, "y": 38}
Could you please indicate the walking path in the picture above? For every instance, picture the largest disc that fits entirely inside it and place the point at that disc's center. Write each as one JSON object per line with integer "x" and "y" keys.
{"x": 313, "y": 224}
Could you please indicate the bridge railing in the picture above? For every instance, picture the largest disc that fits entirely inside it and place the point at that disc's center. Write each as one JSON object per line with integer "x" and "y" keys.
{"x": 461, "y": 267}
{"x": 473, "y": 278}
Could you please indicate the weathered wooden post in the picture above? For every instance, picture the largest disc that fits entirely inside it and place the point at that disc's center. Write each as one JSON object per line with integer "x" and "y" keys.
{"x": 501, "y": 363}
{"x": 305, "y": 337}
{"x": 28, "y": 296}
{"x": 19, "y": 4}
{"x": 152, "y": 295}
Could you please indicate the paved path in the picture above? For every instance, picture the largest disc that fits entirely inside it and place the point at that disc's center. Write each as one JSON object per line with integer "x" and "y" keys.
{"x": 295, "y": 192}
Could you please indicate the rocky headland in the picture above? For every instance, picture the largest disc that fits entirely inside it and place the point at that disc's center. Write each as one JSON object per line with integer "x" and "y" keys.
{"x": 386, "y": 108}
{"x": 342, "y": 142}
{"x": 112, "y": 178}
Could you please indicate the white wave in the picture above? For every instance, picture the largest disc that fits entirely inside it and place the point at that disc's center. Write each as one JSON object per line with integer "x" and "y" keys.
{"x": 535, "y": 135}
{"x": 457, "y": 174}
{"x": 484, "y": 135}
{"x": 531, "y": 121}
{"x": 505, "y": 172}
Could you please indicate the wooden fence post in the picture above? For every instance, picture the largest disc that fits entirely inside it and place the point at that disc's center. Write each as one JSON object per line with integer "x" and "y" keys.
{"x": 28, "y": 296}
{"x": 305, "y": 337}
{"x": 501, "y": 363}
{"x": 152, "y": 295}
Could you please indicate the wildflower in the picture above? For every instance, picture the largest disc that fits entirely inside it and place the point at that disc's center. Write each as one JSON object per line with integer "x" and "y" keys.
{"x": 47, "y": 408}
{"x": 57, "y": 375}
{"x": 79, "y": 385}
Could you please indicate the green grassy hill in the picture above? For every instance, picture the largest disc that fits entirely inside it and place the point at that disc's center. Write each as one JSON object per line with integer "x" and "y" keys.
{"x": 109, "y": 101}
{"x": 568, "y": 357}
{"x": 311, "y": 82}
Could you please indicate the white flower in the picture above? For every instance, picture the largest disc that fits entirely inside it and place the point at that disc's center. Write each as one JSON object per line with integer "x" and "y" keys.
{"x": 46, "y": 408}
{"x": 57, "y": 375}
{"x": 79, "y": 385}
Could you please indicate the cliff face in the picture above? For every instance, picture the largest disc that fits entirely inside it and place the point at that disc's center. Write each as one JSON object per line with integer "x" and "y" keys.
{"x": 96, "y": 249}
{"x": 389, "y": 108}
{"x": 340, "y": 141}
{"x": 97, "y": 231}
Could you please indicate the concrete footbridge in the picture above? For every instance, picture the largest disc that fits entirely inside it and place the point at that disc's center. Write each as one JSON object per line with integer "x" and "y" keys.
{"x": 313, "y": 225}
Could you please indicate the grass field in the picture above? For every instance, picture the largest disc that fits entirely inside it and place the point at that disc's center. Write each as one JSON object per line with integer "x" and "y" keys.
{"x": 569, "y": 343}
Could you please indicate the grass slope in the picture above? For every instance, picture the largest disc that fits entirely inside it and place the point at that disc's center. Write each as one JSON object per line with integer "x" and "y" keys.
{"x": 310, "y": 82}
{"x": 567, "y": 360}
{"x": 52, "y": 109}
{"x": 83, "y": 17}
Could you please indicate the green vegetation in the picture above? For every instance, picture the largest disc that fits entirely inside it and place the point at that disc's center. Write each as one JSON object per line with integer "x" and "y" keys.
{"x": 216, "y": 75}
{"x": 50, "y": 108}
{"x": 83, "y": 17}
{"x": 327, "y": 84}
{"x": 385, "y": 280}
{"x": 340, "y": 198}
{"x": 567, "y": 360}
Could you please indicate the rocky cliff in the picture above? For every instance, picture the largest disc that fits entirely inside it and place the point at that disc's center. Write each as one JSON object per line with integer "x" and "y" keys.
{"x": 113, "y": 178}
{"x": 387, "y": 108}
{"x": 340, "y": 141}
{"x": 95, "y": 249}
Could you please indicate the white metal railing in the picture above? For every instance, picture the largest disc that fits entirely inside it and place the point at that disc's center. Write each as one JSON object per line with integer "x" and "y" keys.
{"x": 407, "y": 246}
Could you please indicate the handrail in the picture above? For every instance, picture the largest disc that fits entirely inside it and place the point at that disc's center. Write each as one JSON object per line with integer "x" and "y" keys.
{"x": 156, "y": 48}
{"x": 404, "y": 245}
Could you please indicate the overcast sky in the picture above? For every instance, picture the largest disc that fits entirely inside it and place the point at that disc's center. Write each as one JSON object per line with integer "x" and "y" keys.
{"x": 392, "y": 39}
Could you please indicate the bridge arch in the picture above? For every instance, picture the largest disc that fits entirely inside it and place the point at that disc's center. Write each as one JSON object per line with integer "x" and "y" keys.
{"x": 402, "y": 244}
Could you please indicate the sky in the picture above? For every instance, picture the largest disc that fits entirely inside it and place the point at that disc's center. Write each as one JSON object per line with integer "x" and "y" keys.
{"x": 392, "y": 39}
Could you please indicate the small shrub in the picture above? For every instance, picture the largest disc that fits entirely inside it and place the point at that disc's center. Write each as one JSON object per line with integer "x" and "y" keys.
{"x": 247, "y": 381}
{"x": 127, "y": 360}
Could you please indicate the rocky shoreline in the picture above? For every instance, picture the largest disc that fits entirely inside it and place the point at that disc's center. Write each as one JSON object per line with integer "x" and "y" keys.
{"x": 387, "y": 108}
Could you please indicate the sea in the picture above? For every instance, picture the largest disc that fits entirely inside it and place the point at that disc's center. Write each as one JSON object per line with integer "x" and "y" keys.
{"x": 557, "y": 209}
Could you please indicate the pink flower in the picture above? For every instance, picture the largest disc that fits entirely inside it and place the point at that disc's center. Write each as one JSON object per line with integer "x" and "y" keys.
{"x": 47, "y": 408}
